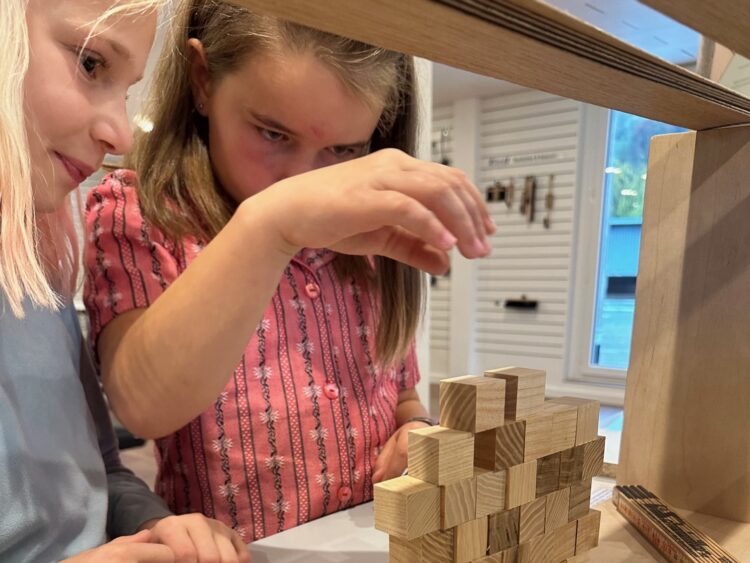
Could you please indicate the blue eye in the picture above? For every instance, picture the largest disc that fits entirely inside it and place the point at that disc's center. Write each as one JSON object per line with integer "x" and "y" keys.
{"x": 272, "y": 136}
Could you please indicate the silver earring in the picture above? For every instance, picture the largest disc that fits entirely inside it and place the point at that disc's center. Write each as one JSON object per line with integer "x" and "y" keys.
{"x": 200, "y": 107}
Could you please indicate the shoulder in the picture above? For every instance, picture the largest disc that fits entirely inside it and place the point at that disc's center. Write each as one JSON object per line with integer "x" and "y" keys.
{"x": 120, "y": 186}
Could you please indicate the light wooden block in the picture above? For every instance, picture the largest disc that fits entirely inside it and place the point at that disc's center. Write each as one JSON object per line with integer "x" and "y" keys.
{"x": 404, "y": 551}
{"x": 587, "y": 536}
{"x": 500, "y": 448}
{"x": 503, "y": 529}
{"x": 593, "y": 458}
{"x": 531, "y": 520}
{"x": 556, "y": 546}
{"x": 587, "y": 426}
{"x": 470, "y": 540}
{"x": 406, "y": 507}
{"x": 539, "y": 439}
{"x": 472, "y": 403}
{"x": 571, "y": 466}
{"x": 524, "y": 390}
{"x": 548, "y": 474}
{"x": 520, "y": 484}
{"x": 458, "y": 503}
{"x": 509, "y": 555}
{"x": 490, "y": 491}
{"x": 564, "y": 426}
{"x": 580, "y": 500}
{"x": 440, "y": 455}
{"x": 438, "y": 547}
{"x": 557, "y": 509}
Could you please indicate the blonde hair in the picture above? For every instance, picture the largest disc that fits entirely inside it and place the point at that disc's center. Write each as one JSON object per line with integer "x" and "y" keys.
{"x": 173, "y": 162}
{"x": 38, "y": 251}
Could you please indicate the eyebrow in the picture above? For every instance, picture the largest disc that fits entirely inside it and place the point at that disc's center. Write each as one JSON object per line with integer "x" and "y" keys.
{"x": 123, "y": 51}
{"x": 273, "y": 124}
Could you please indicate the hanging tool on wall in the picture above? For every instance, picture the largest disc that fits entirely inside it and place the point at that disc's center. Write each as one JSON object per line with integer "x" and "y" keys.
{"x": 549, "y": 201}
{"x": 444, "y": 133}
{"x": 528, "y": 198}
{"x": 509, "y": 189}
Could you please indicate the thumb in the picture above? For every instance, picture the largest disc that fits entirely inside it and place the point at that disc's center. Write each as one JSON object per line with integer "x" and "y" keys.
{"x": 144, "y": 536}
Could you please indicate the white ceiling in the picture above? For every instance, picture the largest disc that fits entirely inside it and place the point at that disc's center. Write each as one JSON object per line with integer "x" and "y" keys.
{"x": 629, "y": 20}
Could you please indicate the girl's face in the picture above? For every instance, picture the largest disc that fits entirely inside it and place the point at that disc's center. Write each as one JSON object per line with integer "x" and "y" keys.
{"x": 277, "y": 116}
{"x": 75, "y": 90}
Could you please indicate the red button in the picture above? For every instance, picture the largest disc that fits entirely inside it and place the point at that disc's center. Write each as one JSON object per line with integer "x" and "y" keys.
{"x": 313, "y": 290}
{"x": 331, "y": 391}
{"x": 345, "y": 493}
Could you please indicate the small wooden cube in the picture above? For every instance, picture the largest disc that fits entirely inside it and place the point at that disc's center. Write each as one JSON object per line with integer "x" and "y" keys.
{"x": 539, "y": 438}
{"x": 564, "y": 426}
{"x": 593, "y": 458}
{"x": 472, "y": 403}
{"x": 531, "y": 520}
{"x": 471, "y": 540}
{"x": 440, "y": 455}
{"x": 520, "y": 484}
{"x": 404, "y": 551}
{"x": 571, "y": 466}
{"x": 406, "y": 507}
{"x": 587, "y": 536}
{"x": 558, "y": 506}
{"x": 524, "y": 390}
{"x": 548, "y": 474}
{"x": 458, "y": 503}
{"x": 490, "y": 491}
{"x": 438, "y": 547}
{"x": 580, "y": 500}
{"x": 503, "y": 529}
{"x": 557, "y": 545}
{"x": 509, "y": 555}
{"x": 587, "y": 427}
{"x": 501, "y": 447}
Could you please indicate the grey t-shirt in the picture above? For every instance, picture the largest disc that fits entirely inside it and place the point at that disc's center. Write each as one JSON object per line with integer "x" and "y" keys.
{"x": 60, "y": 469}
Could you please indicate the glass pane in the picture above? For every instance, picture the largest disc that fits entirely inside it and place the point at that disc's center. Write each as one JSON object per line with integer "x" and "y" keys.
{"x": 622, "y": 214}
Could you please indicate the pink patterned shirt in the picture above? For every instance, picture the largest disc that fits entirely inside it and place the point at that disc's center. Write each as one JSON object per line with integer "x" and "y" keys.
{"x": 296, "y": 431}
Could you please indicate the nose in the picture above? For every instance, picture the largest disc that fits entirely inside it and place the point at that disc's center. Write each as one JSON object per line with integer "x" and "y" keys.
{"x": 112, "y": 129}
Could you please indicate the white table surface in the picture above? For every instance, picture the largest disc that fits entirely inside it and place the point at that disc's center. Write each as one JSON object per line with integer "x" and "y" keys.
{"x": 346, "y": 536}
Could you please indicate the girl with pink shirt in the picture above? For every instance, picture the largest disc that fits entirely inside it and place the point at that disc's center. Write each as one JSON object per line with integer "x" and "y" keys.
{"x": 255, "y": 288}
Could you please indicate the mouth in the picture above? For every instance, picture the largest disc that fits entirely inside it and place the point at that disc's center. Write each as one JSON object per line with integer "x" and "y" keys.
{"x": 78, "y": 170}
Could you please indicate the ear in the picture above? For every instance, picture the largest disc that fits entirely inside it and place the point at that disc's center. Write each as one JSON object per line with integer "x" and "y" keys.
{"x": 200, "y": 80}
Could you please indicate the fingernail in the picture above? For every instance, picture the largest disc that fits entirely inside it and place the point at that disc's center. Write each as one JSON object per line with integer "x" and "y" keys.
{"x": 447, "y": 241}
{"x": 487, "y": 245}
{"x": 478, "y": 246}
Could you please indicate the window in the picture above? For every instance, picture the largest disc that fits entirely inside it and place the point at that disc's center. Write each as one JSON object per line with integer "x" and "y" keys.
{"x": 628, "y": 143}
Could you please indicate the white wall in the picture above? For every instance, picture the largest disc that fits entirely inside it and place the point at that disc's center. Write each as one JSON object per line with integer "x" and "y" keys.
{"x": 510, "y": 136}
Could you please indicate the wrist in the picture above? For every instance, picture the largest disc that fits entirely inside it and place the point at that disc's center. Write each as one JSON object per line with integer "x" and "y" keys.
{"x": 423, "y": 420}
{"x": 257, "y": 216}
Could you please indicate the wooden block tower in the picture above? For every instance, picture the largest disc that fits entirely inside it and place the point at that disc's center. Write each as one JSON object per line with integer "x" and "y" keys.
{"x": 505, "y": 478}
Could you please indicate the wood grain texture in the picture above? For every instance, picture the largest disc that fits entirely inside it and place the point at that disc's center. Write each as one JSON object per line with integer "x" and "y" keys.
{"x": 502, "y": 447}
{"x": 521, "y": 484}
{"x": 687, "y": 394}
{"x": 509, "y": 555}
{"x": 458, "y": 503}
{"x": 557, "y": 509}
{"x": 531, "y": 520}
{"x": 580, "y": 500}
{"x": 587, "y": 427}
{"x": 472, "y": 403}
{"x": 406, "y": 507}
{"x": 593, "y": 458}
{"x": 440, "y": 455}
{"x": 548, "y": 474}
{"x": 540, "y": 436}
{"x": 471, "y": 540}
{"x": 490, "y": 491}
{"x": 524, "y": 390}
{"x": 571, "y": 466}
{"x": 503, "y": 529}
{"x": 564, "y": 425}
{"x": 438, "y": 547}
{"x": 454, "y": 37}
{"x": 404, "y": 551}
{"x": 556, "y": 546}
{"x": 724, "y": 22}
{"x": 587, "y": 536}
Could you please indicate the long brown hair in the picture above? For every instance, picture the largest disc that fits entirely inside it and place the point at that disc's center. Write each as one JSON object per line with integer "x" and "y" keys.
{"x": 173, "y": 160}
